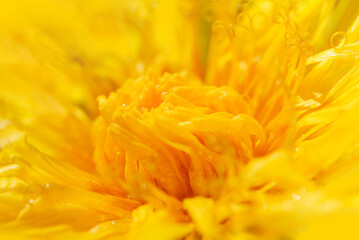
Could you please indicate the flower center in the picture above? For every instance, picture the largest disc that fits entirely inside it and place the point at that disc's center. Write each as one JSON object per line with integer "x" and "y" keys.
{"x": 174, "y": 133}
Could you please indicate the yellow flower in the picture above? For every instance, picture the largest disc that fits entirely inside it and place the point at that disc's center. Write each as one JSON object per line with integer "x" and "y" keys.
{"x": 158, "y": 119}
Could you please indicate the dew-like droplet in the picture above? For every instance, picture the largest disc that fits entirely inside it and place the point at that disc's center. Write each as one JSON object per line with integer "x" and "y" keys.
{"x": 278, "y": 16}
{"x": 338, "y": 40}
{"x": 265, "y": 206}
{"x": 222, "y": 30}
{"x": 296, "y": 197}
{"x": 187, "y": 6}
{"x": 243, "y": 20}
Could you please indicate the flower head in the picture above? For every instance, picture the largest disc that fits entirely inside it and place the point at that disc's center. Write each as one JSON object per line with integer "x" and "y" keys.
{"x": 179, "y": 119}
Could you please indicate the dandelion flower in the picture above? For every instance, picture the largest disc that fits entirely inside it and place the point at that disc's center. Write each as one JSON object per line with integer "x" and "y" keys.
{"x": 179, "y": 119}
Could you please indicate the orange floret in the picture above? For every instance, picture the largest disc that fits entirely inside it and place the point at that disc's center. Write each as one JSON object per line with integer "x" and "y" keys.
{"x": 174, "y": 133}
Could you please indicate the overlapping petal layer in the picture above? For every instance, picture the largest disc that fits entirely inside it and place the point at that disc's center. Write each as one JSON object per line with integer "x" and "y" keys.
{"x": 215, "y": 120}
